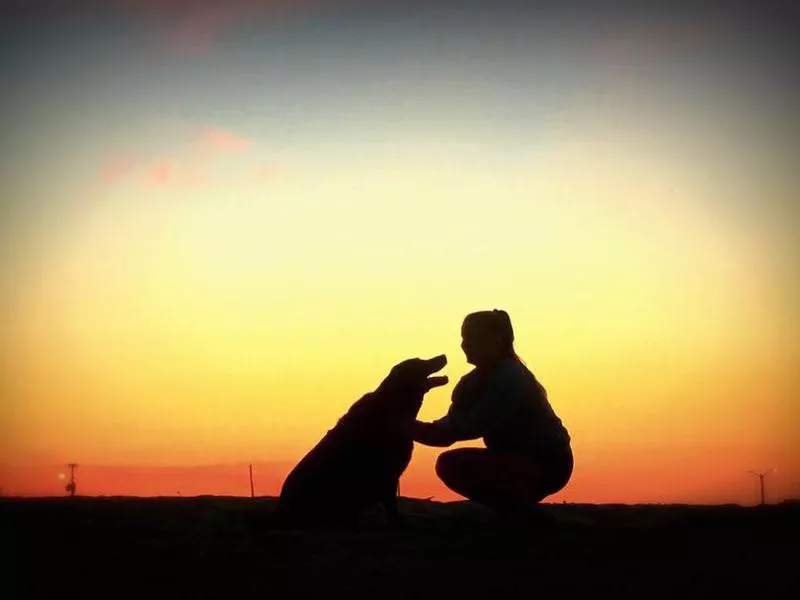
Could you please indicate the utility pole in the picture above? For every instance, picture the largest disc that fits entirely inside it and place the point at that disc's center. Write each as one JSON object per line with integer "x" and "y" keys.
{"x": 71, "y": 487}
{"x": 761, "y": 481}
{"x": 252, "y": 489}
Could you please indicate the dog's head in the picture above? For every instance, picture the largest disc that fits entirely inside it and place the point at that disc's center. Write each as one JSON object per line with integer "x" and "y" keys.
{"x": 409, "y": 381}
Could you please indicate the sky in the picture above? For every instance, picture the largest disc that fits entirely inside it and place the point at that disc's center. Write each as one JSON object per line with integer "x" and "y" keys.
{"x": 220, "y": 226}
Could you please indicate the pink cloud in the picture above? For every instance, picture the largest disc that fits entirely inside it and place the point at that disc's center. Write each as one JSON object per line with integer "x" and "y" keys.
{"x": 162, "y": 173}
{"x": 196, "y": 176}
{"x": 191, "y": 166}
{"x": 267, "y": 173}
{"x": 193, "y": 27}
{"x": 223, "y": 141}
{"x": 117, "y": 168}
{"x": 193, "y": 37}
{"x": 175, "y": 173}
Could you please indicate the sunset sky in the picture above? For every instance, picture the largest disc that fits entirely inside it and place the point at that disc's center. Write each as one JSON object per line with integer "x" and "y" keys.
{"x": 222, "y": 223}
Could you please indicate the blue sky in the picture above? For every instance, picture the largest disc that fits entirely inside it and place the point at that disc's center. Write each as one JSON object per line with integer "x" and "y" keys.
{"x": 322, "y": 85}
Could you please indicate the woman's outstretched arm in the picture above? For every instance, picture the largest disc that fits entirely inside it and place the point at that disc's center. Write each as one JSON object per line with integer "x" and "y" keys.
{"x": 456, "y": 426}
{"x": 432, "y": 434}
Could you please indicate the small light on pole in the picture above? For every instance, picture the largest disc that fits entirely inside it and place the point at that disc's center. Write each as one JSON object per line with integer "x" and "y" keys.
{"x": 761, "y": 481}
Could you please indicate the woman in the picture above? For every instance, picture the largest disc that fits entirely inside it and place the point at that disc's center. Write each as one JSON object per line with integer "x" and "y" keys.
{"x": 527, "y": 455}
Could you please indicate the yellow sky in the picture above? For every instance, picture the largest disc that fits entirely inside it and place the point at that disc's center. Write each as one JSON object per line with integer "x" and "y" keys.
{"x": 239, "y": 322}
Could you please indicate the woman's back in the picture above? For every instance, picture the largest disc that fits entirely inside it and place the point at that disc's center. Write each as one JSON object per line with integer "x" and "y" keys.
{"x": 512, "y": 407}
{"x": 528, "y": 454}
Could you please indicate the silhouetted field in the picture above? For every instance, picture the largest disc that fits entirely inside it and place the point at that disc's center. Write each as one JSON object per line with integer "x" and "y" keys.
{"x": 218, "y": 547}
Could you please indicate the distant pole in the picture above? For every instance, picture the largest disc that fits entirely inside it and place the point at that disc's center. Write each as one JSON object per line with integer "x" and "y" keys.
{"x": 71, "y": 486}
{"x": 761, "y": 482}
{"x": 252, "y": 489}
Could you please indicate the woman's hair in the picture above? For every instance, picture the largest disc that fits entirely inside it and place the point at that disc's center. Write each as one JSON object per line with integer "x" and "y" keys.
{"x": 498, "y": 323}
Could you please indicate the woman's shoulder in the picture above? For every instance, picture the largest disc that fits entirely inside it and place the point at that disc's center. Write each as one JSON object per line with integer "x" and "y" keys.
{"x": 514, "y": 375}
{"x": 512, "y": 370}
{"x": 509, "y": 374}
{"x": 467, "y": 381}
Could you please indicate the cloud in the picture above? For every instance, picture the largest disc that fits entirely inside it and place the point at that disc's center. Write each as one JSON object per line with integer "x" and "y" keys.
{"x": 196, "y": 176}
{"x": 267, "y": 173}
{"x": 222, "y": 141}
{"x": 117, "y": 168}
{"x": 191, "y": 166}
{"x": 193, "y": 27}
{"x": 162, "y": 173}
{"x": 178, "y": 173}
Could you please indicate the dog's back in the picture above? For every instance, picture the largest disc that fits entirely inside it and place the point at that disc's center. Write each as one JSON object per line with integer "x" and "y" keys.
{"x": 360, "y": 460}
{"x": 340, "y": 476}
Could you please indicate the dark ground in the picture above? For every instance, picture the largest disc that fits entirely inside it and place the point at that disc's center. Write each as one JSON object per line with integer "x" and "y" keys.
{"x": 207, "y": 547}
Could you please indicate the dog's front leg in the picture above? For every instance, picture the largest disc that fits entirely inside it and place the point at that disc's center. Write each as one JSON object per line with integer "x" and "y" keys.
{"x": 389, "y": 500}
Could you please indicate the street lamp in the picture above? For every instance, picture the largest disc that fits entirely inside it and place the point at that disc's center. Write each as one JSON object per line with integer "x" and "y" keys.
{"x": 71, "y": 486}
{"x": 761, "y": 481}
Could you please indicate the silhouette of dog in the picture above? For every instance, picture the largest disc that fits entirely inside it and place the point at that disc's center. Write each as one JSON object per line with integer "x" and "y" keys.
{"x": 358, "y": 463}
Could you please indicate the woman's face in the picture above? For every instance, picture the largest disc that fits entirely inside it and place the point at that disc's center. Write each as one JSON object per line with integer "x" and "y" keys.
{"x": 480, "y": 346}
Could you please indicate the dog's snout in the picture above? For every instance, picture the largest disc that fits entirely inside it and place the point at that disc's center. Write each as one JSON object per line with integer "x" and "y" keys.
{"x": 435, "y": 364}
{"x": 433, "y": 382}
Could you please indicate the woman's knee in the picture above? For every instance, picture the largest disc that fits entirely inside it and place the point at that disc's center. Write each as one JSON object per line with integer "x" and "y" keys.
{"x": 445, "y": 465}
{"x": 450, "y": 465}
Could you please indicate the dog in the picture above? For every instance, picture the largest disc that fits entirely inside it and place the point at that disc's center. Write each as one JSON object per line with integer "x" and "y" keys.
{"x": 358, "y": 463}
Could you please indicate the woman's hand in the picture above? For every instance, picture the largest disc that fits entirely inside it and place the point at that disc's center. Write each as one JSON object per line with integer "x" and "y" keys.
{"x": 431, "y": 434}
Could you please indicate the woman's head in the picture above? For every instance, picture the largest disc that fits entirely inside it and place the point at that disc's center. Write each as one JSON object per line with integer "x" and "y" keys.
{"x": 487, "y": 337}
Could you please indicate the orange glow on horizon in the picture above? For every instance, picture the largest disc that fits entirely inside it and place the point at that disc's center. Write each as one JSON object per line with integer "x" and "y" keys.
{"x": 184, "y": 295}
{"x": 179, "y": 349}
